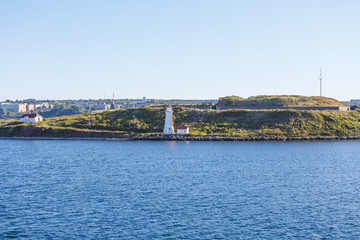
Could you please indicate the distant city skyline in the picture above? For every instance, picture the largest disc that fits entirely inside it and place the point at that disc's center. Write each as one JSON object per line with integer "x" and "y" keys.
{"x": 178, "y": 49}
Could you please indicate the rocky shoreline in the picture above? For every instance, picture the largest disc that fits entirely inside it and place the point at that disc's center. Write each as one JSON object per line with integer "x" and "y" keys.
{"x": 239, "y": 139}
{"x": 195, "y": 138}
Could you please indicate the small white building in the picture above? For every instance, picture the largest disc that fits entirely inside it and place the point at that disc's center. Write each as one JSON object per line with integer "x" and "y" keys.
{"x": 182, "y": 130}
{"x": 33, "y": 117}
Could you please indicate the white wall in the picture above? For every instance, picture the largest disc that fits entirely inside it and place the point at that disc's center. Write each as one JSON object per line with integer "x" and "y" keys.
{"x": 182, "y": 131}
{"x": 27, "y": 120}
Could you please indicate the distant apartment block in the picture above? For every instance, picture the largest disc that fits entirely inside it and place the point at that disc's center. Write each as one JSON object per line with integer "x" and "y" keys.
{"x": 14, "y": 107}
{"x": 30, "y": 107}
{"x": 17, "y": 107}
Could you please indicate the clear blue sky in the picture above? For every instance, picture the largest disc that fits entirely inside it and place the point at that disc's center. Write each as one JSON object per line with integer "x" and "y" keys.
{"x": 189, "y": 49}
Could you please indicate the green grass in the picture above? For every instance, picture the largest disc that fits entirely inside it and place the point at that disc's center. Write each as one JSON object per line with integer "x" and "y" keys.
{"x": 278, "y": 101}
{"x": 230, "y": 123}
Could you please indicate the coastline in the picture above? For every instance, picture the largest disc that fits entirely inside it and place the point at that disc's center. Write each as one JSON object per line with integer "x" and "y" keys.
{"x": 196, "y": 138}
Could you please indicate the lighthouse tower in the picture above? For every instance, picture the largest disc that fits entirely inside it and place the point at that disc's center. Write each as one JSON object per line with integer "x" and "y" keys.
{"x": 169, "y": 122}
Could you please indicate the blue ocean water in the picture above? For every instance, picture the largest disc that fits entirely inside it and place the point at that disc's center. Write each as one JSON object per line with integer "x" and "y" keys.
{"x": 179, "y": 190}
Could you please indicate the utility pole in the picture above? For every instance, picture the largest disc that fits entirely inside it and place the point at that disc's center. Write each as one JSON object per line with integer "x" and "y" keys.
{"x": 320, "y": 78}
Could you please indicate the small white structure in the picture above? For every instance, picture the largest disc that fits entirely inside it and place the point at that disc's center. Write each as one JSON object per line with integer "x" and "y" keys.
{"x": 33, "y": 117}
{"x": 182, "y": 130}
{"x": 169, "y": 121}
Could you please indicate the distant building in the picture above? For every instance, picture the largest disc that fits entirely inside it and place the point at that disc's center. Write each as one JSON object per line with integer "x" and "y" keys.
{"x": 169, "y": 121}
{"x": 103, "y": 106}
{"x": 142, "y": 103}
{"x": 355, "y": 102}
{"x": 182, "y": 130}
{"x": 30, "y": 107}
{"x": 44, "y": 105}
{"x": 14, "y": 107}
{"x": 33, "y": 117}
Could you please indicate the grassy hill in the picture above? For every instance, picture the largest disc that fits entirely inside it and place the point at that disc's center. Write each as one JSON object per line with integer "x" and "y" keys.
{"x": 231, "y": 123}
{"x": 277, "y": 101}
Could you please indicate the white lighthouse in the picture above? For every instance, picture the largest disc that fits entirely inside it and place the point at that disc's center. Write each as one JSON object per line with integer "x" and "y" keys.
{"x": 169, "y": 122}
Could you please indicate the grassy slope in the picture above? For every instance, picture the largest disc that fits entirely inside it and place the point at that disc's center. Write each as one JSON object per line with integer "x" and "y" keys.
{"x": 235, "y": 123}
{"x": 278, "y": 101}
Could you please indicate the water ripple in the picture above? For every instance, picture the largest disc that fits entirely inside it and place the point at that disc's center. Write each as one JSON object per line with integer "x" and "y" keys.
{"x": 196, "y": 190}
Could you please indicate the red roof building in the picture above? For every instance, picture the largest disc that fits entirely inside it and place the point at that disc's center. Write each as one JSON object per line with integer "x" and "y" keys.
{"x": 31, "y": 117}
{"x": 182, "y": 130}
